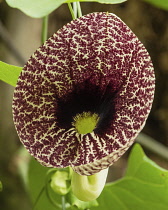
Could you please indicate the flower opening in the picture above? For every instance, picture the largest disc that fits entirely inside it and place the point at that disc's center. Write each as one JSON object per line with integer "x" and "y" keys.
{"x": 84, "y": 95}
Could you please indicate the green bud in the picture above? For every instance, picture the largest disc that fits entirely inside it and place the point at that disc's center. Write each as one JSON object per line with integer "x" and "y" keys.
{"x": 60, "y": 182}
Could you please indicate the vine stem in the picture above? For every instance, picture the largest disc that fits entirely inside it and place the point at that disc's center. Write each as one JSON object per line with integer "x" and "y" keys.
{"x": 79, "y": 9}
{"x": 44, "y": 29}
{"x": 75, "y": 10}
{"x": 7, "y": 39}
{"x": 153, "y": 145}
{"x": 71, "y": 11}
{"x": 38, "y": 197}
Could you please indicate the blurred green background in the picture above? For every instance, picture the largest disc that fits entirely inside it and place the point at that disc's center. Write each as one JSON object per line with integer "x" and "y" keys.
{"x": 20, "y": 36}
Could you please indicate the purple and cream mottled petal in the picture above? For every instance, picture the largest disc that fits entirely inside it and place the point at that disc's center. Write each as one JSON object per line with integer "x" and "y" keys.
{"x": 100, "y": 55}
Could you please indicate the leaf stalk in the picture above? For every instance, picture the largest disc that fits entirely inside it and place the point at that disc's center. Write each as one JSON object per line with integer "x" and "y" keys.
{"x": 44, "y": 29}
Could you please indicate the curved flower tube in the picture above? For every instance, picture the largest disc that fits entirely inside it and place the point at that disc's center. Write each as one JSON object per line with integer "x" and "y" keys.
{"x": 88, "y": 188}
{"x": 84, "y": 95}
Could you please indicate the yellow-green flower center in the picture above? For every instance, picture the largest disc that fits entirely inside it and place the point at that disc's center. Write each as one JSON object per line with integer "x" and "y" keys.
{"x": 85, "y": 122}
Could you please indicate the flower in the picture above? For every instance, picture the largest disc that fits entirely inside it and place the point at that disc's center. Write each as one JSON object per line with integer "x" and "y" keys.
{"x": 84, "y": 95}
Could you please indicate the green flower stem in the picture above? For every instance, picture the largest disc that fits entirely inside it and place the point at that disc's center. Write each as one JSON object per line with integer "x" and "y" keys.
{"x": 71, "y": 11}
{"x": 79, "y": 9}
{"x": 75, "y": 9}
{"x": 88, "y": 188}
{"x": 44, "y": 29}
{"x": 63, "y": 203}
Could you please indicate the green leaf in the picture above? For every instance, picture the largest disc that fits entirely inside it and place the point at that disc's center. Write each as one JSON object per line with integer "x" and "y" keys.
{"x": 75, "y": 202}
{"x": 99, "y": 1}
{"x": 41, "y": 8}
{"x": 36, "y": 182}
{"x": 145, "y": 186}
{"x": 9, "y": 73}
{"x": 35, "y": 8}
{"x": 163, "y": 4}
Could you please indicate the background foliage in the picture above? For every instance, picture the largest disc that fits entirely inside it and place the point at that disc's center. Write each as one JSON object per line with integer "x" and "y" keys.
{"x": 144, "y": 186}
{"x": 45, "y": 7}
{"x": 19, "y": 37}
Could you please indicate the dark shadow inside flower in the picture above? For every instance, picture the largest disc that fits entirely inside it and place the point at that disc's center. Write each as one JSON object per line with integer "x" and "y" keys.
{"x": 87, "y": 98}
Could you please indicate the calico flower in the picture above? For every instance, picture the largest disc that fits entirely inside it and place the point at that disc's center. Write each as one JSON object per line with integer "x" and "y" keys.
{"x": 84, "y": 95}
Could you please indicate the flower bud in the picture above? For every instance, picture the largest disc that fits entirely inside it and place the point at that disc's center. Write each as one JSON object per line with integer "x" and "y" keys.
{"x": 60, "y": 182}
